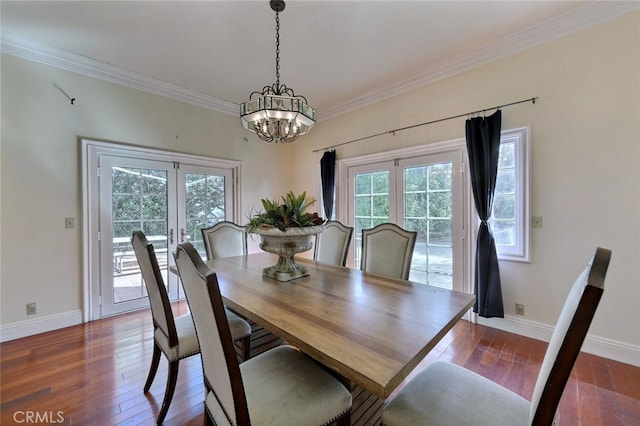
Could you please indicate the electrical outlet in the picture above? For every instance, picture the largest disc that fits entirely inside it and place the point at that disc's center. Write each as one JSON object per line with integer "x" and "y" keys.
{"x": 32, "y": 308}
{"x": 69, "y": 223}
{"x": 519, "y": 309}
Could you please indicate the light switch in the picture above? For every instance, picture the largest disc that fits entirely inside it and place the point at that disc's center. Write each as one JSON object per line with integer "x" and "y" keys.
{"x": 536, "y": 222}
{"x": 69, "y": 222}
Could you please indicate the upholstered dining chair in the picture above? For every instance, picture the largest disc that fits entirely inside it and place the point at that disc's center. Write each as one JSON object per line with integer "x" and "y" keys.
{"x": 387, "y": 250}
{"x": 175, "y": 337}
{"x": 279, "y": 387}
{"x": 447, "y": 394}
{"x": 332, "y": 245}
{"x": 227, "y": 239}
{"x": 224, "y": 239}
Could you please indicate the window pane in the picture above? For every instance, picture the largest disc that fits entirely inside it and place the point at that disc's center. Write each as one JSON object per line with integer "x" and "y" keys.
{"x": 205, "y": 205}
{"x": 153, "y": 181}
{"x": 154, "y": 227}
{"x": 124, "y": 181}
{"x": 126, "y": 207}
{"x": 414, "y": 204}
{"x": 380, "y": 206}
{"x": 154, "y": 206}
{"x": 440, "y": 232}
{"x": 363, "y": 223}
{"x": 415, "y": 179}
{"x": 504, "y": 232}
{"x": 506, "y": 181}
{"x": 363, "y": 184}
{"x": 363, "y": 206}
{"x": 440, "y": 177}
{"x": 504, "y": 207}
{"x": 371, "y": 205}
{"x": 418, "y": 225}
{"x": 428, "y": 209}
{"x": 507, "y": 154}
{"x": 440, "y": 205}
{"x": 380, "y": 182}
{"x": 139, "y": 201}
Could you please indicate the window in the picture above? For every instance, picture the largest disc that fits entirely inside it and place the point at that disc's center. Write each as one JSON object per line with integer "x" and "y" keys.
{"x": 424, "y": 189}
{"x": 421, "y": 189}
{"x": 510, "y": 211}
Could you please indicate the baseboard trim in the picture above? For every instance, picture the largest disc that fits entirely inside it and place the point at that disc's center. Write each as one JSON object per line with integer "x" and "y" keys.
{"x": 600, "y": 346}
{"x": 40, "y": 324}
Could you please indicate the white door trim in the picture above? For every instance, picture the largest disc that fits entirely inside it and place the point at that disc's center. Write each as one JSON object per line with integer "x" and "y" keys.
{"x": 92, "y": 149}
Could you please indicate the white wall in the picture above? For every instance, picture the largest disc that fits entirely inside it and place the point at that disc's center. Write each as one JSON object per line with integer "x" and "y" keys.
{"x": 41, "y": 172}
{"x": 585, "y": 168}
{"x": 585, "y": 178}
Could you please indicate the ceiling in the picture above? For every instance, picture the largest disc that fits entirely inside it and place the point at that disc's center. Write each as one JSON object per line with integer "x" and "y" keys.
{"x": 339, "y": 54}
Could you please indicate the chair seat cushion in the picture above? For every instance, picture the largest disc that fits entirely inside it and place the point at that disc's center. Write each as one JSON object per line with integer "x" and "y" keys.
{"x": 446, "y": 394}
{"x": 239, "y": 327}
{"x": 285, "y": 387}
{"x": 187, "y": 340}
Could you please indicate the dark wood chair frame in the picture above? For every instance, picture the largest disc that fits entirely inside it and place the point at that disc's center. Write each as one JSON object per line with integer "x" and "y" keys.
{"x": 563, "y": 351}
{"x": 171, "y": 330}
{"x": 245, "y": 344}
{"x": 235, "y": 377}
{"x": 572, "y": 342}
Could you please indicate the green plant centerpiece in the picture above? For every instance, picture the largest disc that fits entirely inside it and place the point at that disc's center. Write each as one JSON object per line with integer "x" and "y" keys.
{"x": 286, "y": 228}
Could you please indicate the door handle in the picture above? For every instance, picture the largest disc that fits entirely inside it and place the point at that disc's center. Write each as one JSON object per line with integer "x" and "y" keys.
{"x": 182, "y": 235}
{"x": 171, "y": 236}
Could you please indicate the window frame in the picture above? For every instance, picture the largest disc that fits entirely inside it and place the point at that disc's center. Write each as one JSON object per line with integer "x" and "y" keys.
{"x": 519, "y": 252}
{"x": 395, "y": 157}
{"x": 93, "y": 151}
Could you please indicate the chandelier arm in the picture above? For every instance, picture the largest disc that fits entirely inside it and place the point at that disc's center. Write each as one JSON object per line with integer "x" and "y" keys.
{"x": 265, "y": 91}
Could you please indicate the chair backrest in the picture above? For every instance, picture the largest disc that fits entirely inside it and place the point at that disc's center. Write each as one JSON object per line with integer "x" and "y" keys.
{"x": 387, "y": 250}
{"x": 219, "y": 362}
{"x": 567, "y": 338}
{"x": 332, "y": 245}
{"x": 224, "y": 239}
{"x": 158, "y": 297}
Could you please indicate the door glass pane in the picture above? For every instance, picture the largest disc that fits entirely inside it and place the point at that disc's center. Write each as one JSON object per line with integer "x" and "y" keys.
{"x": 371, "y": 205}
{"x": 139, "y": 201}
{"x": 205, "y": 206}
{"x": 428, "y": 210}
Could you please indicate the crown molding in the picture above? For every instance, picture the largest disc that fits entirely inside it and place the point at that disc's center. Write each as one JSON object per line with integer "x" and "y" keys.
{"x": 103, "y": 71}
{"x": 584, "y": 17}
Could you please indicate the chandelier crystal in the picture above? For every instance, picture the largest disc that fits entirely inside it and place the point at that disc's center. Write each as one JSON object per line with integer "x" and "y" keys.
{"x": 277, "y": 114}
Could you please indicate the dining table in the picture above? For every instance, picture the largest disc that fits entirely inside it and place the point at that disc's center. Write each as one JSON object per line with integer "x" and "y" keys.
{"x": 370, "y": 330}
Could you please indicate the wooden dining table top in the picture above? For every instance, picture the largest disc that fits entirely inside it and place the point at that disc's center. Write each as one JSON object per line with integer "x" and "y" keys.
{"x": 370, "y": 329}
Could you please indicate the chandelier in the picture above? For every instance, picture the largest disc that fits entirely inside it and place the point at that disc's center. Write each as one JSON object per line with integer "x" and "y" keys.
{"x": 277, "y": 114}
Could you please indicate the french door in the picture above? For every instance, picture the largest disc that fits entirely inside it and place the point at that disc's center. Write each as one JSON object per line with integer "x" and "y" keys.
{"x": 423, "y": 194}
{"x": 134, "y": 194}
{"x": 170, "y": 201}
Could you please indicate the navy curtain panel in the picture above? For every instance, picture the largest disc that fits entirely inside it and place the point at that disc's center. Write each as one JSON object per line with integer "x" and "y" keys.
{"x": 483, "y": 147}
{"x": 328, "y": 179}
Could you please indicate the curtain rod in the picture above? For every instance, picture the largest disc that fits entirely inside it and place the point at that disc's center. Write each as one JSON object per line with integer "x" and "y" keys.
{"x": 532, "y": 100}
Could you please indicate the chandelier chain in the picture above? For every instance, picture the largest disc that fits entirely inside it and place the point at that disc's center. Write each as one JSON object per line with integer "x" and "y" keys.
{"x": 277, "y": 50}
{"x": 277, "y": 114}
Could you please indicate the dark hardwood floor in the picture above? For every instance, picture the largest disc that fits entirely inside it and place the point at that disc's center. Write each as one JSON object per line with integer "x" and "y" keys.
{"x": 93, "y": 374}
